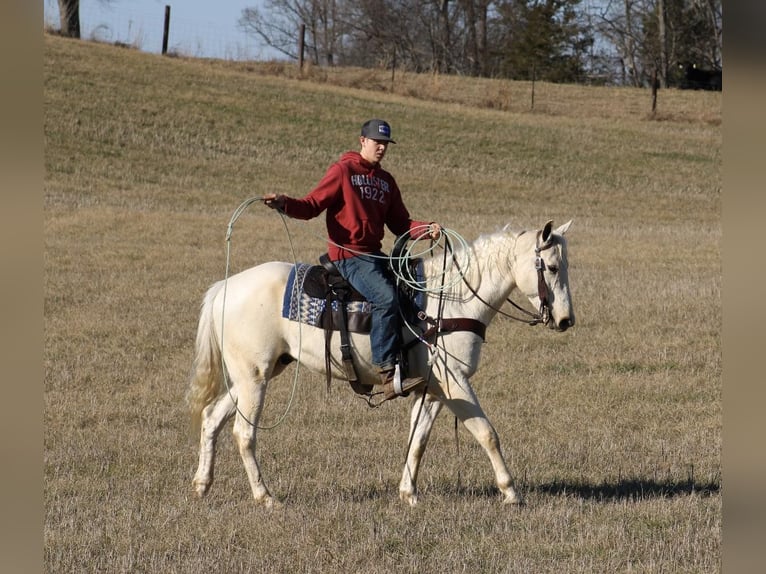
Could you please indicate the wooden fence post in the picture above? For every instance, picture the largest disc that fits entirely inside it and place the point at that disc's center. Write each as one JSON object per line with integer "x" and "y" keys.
{"x": 166, "y": 30}
{"x": 301, "y": 46}
{"x": 393, "y": 70}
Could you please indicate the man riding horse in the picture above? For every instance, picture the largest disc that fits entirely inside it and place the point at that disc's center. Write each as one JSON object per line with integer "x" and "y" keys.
{"x": 360, "y": 199}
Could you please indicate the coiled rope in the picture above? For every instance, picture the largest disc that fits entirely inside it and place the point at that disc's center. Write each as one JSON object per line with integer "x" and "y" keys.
{"x": 397, "y": 261}
{"x": 440, "y": 282}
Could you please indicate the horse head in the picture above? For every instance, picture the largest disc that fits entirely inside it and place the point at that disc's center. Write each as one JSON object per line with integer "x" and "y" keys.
{"x": 541, "y": 273}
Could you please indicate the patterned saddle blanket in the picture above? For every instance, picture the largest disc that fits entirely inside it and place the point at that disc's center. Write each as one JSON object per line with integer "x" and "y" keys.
{"x": 310, "y": 298}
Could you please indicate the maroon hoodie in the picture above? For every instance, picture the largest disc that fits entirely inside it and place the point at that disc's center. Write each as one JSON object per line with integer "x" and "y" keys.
{"x": 360, "y": 198}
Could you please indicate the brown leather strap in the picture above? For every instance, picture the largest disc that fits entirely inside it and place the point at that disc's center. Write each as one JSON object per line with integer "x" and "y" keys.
{"x": 456, "y": 324}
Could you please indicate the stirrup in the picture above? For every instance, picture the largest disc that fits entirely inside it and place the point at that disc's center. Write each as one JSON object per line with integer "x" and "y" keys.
{"x": 398, "y": 387}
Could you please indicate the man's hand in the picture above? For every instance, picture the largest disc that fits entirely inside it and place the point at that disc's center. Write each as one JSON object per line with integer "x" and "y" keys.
{"x": 434, "y": 231}
{"x": 274, "y": 201}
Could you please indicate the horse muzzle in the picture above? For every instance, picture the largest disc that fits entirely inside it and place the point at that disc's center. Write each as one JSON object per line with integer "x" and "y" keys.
{"x": 562, "y": 324}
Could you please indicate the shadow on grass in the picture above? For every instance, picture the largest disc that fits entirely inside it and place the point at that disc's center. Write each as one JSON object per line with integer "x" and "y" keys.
{"x": 620, "y": 490}
{"x": 626, "y": 489}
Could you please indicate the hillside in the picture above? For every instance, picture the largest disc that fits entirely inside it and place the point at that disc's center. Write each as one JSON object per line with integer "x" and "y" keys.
{"x": 612, "y": 430}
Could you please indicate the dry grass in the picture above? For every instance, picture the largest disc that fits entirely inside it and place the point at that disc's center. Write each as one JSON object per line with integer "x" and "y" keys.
{"x": 613, "y": 429}
{"x": 513, "y": 96}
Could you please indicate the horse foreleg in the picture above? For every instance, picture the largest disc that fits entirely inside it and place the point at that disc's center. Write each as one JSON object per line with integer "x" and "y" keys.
{"x": 485, "y": 434}
{"x": 249, "y": 408}
{"x": 213, "y": 418}
{"x": 465, "y": 405}
{"x": 421, "y": 423}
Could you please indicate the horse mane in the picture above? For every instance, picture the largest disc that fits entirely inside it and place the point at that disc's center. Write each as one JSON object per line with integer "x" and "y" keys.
{"x": 489, "y": 251}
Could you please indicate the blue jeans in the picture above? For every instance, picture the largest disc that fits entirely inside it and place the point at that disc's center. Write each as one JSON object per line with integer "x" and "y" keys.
{"x": 370, "y": 276}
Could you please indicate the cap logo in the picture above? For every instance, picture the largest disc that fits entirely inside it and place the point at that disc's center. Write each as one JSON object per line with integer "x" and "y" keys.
{"x": 377, "y": 130}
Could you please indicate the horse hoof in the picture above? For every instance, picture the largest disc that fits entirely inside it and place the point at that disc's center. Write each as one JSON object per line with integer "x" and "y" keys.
{"x": 513, "y": 499}
{"x": 268, "y": 501}
{"x": 201, "y": 488}
{"x": 273, "y": 504}
{"x": 409, "y": 497}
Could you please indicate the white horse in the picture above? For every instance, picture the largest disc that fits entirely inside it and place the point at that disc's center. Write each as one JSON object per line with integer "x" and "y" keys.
{"x": 258, "y": 343}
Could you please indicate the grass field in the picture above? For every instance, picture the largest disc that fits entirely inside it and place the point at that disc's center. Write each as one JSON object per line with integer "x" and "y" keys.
{"x": 612, "y": 429}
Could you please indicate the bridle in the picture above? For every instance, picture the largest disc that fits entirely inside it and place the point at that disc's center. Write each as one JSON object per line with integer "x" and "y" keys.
{"x": 542, "y": 287}
{"x": 544, "y": 313}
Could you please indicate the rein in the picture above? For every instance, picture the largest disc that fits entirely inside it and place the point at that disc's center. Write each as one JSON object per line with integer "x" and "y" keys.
{"x": 439, "y": 325}
{"x": 544, "y": 314}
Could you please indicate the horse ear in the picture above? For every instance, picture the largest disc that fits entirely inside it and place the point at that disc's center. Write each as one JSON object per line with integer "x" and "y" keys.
{"x": 563, "y": 228}
{"x": 546, "y": 234}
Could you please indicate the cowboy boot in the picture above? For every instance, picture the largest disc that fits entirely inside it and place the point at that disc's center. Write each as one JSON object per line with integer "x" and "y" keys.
{"x": 394, "y": 386}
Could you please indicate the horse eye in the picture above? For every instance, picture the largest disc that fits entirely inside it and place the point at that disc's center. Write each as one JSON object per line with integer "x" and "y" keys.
{"x": 553, "y": 269}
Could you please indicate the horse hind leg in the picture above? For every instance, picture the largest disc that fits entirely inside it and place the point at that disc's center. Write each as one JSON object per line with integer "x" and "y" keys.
{"x": 249, "y": 406}
{"x": 214, "y": 416}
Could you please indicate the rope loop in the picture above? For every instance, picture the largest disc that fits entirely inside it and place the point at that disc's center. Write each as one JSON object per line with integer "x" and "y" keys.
{"x": 449, "y": 240}
{"x": 229, "y": 232}
{"x": 441, "y": 281}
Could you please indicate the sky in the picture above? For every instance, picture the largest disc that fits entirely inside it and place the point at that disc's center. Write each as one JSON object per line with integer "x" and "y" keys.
{"x": 198, "y": 28}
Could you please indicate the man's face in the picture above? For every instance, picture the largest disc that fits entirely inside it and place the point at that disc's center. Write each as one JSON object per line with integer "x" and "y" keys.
{"x": 373, "y": 150}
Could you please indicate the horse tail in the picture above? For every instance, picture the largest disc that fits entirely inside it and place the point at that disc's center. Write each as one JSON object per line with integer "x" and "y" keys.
{"x": 207, "y": 370}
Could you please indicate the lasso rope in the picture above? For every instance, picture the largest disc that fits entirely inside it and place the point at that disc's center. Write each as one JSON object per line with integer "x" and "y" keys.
{"x": 449, "y": 240}
{"x": 229, "y": 232}
{"x": 397, "y": 262}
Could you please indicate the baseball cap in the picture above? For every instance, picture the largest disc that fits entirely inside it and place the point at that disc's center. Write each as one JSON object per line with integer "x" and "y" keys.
{"x": 377, "y": 130}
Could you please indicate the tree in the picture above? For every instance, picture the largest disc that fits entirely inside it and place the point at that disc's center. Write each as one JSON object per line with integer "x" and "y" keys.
{"x": 279, "y": 21}
{"x": 69, "y": 18}
{"x": 476, "y": 22}
{"x": 519, "y": 39}
{"x": 379, "y": 31}
{"x": 663, "y": 36}
{"x": 713, "y": 13}
{"x": 543, "y": 39}
{"x": 447, "y": 36}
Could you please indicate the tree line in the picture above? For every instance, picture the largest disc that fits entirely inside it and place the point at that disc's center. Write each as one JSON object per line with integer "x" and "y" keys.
{"x": 627, "y": 42}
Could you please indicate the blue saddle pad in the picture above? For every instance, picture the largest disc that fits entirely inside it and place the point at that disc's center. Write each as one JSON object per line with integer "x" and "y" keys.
{"x": 297, "y": 305}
